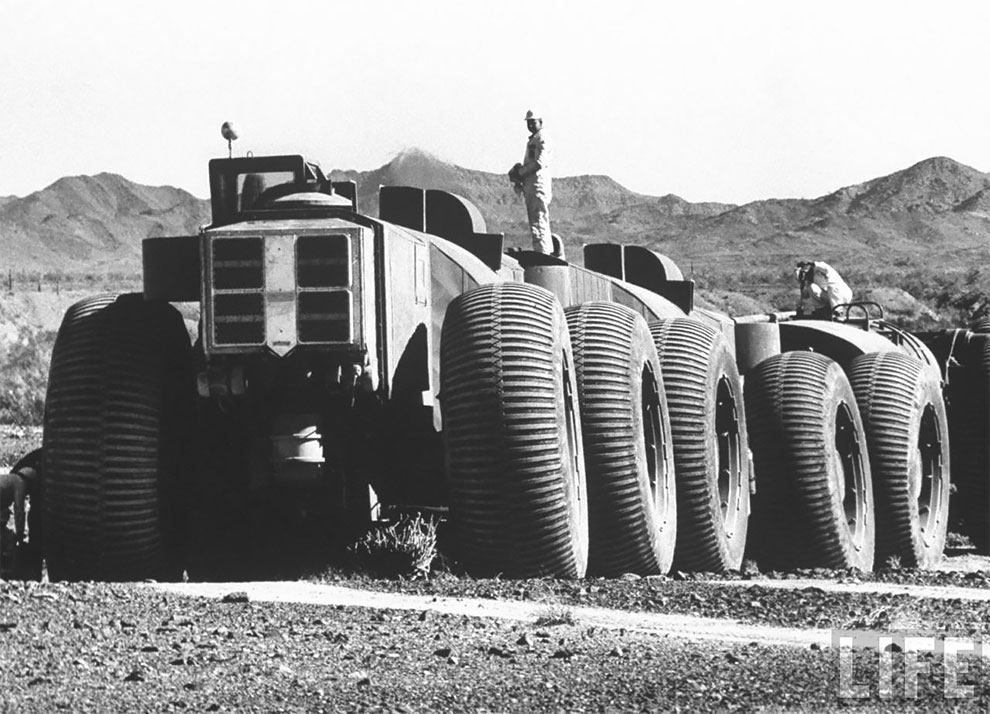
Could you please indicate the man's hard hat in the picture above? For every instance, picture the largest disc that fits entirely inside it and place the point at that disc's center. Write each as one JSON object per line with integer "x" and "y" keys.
{"x": 534, "y": 114}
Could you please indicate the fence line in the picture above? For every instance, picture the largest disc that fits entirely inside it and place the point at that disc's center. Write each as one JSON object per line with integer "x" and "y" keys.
{"x": 56, "y": 281}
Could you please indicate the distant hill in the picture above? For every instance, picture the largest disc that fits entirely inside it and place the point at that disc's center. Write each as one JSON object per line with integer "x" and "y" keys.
{"x": 937, "y": 209}
{"x": 93, "y": 222}
{"x": 582, "y": 210}
{"x": 935, "y": 213}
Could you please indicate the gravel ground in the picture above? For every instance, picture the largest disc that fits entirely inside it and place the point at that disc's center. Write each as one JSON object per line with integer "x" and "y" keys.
{"x": 811, "y": 606}
{"x": 87, "y": 647}
{"x": 118, "y": 647}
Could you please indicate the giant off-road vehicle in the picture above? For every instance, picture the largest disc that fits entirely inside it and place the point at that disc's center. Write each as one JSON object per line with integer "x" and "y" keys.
{"x": 566, "y": 419}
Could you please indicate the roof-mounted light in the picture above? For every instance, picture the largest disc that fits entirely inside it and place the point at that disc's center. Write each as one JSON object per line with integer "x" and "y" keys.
{"x": 228, "y": 132}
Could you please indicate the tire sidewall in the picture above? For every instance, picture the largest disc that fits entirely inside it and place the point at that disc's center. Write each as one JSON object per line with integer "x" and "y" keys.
{"x": 659, "y": 509}
{"x": 571, "y": 445}
{"x": 616, "y": 357}
{"x": 838, "y": 395}
{"x": 695, "y": 360}
{"x": 930, "y": 394}
{"x": 734, "y": 526}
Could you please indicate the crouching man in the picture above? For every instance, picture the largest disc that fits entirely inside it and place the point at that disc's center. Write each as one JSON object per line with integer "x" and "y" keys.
{"x": 822, "y": 290}
{"x": 20, "y": 546}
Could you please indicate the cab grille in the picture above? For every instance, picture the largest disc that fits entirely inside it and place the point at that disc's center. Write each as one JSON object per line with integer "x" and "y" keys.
{"x": 238, "y": 291}
{"x": 323, "y": 269}
{"x": 250, "y": 284}
{"x": 238, "y": 264}
{"x": 325, "y": 316}
{"x": 239, "y": 319}
{"x": 323, "y": 261}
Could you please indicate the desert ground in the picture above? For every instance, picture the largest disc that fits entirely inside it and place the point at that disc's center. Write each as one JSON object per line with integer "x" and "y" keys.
{"x": 345, "y": 641}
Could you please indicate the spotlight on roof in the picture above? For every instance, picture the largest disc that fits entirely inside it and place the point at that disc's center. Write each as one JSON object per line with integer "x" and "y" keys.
{"x": 228, "y": 132}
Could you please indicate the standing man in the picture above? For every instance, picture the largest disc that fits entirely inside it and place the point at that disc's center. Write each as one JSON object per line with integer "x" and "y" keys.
{"x": 532, "y": 177}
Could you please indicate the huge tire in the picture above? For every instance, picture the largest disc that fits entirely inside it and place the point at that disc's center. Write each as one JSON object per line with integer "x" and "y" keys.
{"x": 907, "y": 435}
{"x": 120, "y": 404}
{"x": 518, "y": 497}
{"x": 814, "y": 499}
{"x": 711, "y": 462}
{"x": 632, "y": 507}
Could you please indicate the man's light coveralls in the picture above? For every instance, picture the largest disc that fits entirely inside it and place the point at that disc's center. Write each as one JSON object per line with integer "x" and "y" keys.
{"x": 822, "y": 290}
{"x": 537, "y": 191}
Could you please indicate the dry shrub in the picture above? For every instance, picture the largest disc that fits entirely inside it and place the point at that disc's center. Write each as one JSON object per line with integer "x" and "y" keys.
{"x": 24, "y": 377}
{"x": 405, "y": 547}
{"x": 554, "y": 615}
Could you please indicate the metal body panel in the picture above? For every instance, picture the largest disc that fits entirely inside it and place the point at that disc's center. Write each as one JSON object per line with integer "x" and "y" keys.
{"x": 761, "y": 336}
{"x": 643, "y": 267}
{"x": 406, "y": 307}
{"x": 647, "y": 303}
{"x": 833, "y": 339}
{"x": 451, "y": 216}
{"x": 632, "y": 263}
{"x": 453, "y": 270}
{"x": 280, "y": 291}
{"x": 307, "y": 224}
{"x": 573, "y": 285}
{"x": 755, "y": 342}
{"x": 403, "y": 206}
{"x": 171, "y": 268}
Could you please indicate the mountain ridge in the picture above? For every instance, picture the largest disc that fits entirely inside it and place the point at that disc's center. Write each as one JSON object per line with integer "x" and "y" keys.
{"x": 86, "y": 221}
{"x": 935, "y": 208}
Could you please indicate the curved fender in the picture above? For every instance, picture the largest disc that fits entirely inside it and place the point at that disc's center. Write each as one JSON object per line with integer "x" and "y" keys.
{"x": 574, "y": 285}
{"x": 914, "y": 346}
{"x": 833, "y": 339}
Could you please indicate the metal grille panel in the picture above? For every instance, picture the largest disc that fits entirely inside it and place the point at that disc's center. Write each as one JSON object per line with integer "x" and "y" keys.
{"x": 325, "y": 316}
{"x": 238, "y": 272}
{"x": 323, "y": 261}
{"x": 256, "y": 278}
{"x": 238, "y": 264}
{"x": 239, "y": 319}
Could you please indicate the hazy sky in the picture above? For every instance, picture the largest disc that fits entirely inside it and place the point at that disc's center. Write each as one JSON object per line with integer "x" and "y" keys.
{"x": 713, "y": 101}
